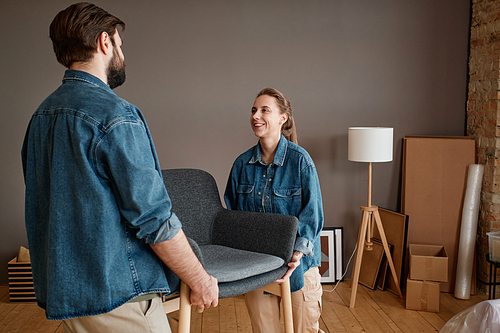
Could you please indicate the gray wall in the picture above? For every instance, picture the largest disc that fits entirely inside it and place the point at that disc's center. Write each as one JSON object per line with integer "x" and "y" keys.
{"x": 194, "y": 68}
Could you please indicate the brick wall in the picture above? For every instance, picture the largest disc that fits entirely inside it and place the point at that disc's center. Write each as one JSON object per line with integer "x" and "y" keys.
{"x": 483, "y": 118}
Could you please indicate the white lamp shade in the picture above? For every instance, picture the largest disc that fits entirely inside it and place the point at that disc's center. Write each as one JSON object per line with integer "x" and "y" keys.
{"x": 370, "y": 144}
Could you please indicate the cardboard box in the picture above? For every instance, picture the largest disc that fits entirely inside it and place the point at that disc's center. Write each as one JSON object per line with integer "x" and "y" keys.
{"x": 428, "y": 263}
{"x": 422, "y": 295}
{"x": 20, "y": 281}
{"x": 433, "y": 188}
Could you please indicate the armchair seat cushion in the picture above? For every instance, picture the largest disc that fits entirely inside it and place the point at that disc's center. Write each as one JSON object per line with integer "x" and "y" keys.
{"x": 228, "y": 264}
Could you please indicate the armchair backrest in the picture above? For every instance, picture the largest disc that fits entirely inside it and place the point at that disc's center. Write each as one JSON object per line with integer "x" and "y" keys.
{"x": 195, "y": 200}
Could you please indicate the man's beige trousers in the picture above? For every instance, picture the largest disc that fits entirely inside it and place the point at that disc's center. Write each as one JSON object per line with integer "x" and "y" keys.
{"x": 132, "y": 317}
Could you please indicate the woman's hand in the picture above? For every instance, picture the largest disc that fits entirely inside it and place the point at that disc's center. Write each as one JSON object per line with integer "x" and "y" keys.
{"x": 294, "y": 263}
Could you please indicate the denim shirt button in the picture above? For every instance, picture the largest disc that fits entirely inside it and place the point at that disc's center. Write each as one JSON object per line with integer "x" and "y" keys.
{"x": 258, "y": 193}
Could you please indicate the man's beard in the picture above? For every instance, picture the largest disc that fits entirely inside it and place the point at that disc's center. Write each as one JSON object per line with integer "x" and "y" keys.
{"x": 115, "y": 72}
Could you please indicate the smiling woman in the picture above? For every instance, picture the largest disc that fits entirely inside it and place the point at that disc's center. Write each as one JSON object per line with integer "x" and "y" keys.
{"x": 278, "y": 176}
{"x": 266, "y": 121}
{"x": 282, "y": 104}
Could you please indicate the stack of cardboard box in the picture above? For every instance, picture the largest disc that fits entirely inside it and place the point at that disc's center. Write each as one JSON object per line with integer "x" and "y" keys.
{"x": 428, "y": 267}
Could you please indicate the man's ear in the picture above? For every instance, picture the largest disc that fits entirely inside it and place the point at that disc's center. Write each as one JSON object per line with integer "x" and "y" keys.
{"x": 104, "y": 43}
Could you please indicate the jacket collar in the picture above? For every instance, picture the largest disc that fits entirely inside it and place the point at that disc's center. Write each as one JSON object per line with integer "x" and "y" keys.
{"x": 279, "y": 156}
{"x": 76, "y": 75}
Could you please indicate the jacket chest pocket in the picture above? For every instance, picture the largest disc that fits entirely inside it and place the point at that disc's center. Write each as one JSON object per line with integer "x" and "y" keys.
{"x": 245, "y": 196}
{"x": 287, "y": 200}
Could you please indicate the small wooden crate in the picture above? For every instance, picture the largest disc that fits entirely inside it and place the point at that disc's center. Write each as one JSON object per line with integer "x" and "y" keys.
{"x": 20, "y": 282}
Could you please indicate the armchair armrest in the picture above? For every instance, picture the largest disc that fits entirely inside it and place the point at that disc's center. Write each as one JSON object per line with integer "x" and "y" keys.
{"x": 196, "y": 250}
{"x": 268, "y": 233}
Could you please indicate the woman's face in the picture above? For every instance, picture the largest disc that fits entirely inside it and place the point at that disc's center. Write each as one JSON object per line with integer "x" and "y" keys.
{"x": 266, "y": 119}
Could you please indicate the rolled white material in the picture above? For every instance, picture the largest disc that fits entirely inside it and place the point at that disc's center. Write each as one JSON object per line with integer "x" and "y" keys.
{"x": 468, "y": 231}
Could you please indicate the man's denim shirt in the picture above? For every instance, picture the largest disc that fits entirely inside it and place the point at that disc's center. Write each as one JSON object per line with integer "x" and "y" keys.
{"x": 95, "y": 200}
{"x": 290, "y": 186}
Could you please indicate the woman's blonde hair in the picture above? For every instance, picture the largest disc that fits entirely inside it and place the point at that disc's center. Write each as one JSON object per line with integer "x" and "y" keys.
{"x": 288, "y": 129}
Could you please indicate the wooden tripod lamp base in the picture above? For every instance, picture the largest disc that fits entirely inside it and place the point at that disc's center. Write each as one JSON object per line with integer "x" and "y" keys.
{"x": 370, "y": 214}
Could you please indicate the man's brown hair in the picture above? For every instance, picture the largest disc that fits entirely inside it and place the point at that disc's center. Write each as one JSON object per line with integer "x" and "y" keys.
{"x": 75, "y": 32}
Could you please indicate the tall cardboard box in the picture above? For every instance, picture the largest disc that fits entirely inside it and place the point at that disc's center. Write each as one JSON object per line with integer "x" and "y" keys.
{"x": 433, "y": 189}
{"x": 422, "y": 295}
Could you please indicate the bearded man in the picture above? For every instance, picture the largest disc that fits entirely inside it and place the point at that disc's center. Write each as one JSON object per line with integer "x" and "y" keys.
{"x": 103, "y": 241}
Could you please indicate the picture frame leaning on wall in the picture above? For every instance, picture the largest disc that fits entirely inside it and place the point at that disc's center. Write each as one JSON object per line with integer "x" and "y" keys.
{"x": 331, "y": 269}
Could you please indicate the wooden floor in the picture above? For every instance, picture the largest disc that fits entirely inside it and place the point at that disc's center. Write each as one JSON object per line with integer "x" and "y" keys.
{"x": 375, "y": 311}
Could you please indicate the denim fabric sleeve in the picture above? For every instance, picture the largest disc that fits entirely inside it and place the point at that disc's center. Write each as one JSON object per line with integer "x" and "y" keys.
{"x": 24, "y": 151}
{"x": 230, "y": 193}
{"x": 311, "y": 214}
{"x": 127, "y": 159}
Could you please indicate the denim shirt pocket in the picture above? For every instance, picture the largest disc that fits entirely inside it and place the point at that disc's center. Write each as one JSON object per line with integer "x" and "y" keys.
{"x": 245, "y": 197}
{"x": 287, "y": 200}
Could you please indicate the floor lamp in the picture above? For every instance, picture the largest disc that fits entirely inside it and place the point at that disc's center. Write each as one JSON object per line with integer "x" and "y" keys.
{"x": 370, "y": 144}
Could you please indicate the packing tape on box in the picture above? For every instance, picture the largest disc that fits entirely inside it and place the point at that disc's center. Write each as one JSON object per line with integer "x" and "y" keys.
{"x": 468, "y": 231}
{"x": 424, "y": 296}
{"x": 428, "y": 268}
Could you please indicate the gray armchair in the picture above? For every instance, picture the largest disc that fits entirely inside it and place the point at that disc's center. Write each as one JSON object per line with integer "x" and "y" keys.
{"x": 244, "y": 251}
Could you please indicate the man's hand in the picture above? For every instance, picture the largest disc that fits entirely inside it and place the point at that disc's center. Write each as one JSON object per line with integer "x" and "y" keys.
{"x": 177, "y": 254}
{"x": 205, "y": 294}
{"x": 294, "y": 263}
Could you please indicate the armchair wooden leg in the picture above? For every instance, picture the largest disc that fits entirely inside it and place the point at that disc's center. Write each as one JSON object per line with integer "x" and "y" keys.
{"x": 286, "y": 299}
{"x": 184, "y": 309}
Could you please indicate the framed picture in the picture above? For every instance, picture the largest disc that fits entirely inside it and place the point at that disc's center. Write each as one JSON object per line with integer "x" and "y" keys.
{"x": 374, "y": 265}
{"x": 396, "y": 231}
{"x": 331, "y": 254}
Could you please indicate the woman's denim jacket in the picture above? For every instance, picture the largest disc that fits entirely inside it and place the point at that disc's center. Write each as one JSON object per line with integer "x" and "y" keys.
{"x": 290, "y": 186}
{"x": 95, "y": 200}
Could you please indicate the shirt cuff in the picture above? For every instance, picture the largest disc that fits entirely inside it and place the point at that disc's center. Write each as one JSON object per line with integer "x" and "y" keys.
{"x": 167, "y": 230}
{"x": 304, "y": 246}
